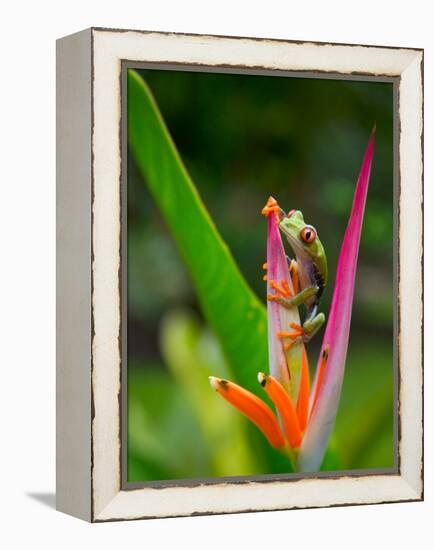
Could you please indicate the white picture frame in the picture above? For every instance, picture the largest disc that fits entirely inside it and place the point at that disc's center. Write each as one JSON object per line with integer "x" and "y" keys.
{"x": 89, "y": 313}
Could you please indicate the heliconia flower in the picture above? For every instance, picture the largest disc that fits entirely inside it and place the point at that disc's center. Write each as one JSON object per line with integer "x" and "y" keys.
{"x": 283, "y": 323}
{"x": 305, "y": 418}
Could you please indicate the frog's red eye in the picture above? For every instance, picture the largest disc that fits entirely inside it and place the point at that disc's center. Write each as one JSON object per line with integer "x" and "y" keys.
{"x": 291, "y": 212}
{"x": 308, "y": 234}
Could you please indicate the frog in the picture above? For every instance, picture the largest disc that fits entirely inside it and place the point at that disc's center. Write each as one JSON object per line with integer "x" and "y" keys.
{"x": 309, "y": 267}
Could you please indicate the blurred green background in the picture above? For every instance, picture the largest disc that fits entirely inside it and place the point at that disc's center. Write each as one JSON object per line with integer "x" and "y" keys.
{"x": 243, "y": 138}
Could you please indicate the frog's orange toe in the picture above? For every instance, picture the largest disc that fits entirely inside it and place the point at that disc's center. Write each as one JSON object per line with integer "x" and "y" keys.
{"x": 282, "y": 289}
{"x": 293, "y": 335}
{"x": 272, "y": 207}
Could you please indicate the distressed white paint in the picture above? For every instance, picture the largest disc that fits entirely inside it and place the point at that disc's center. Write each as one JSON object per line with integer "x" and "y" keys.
{"x": 109, "y": 49}
{"x": 273, "y": 54}
{"x": 257, "y": 496}
{"x": 410, "y": 287}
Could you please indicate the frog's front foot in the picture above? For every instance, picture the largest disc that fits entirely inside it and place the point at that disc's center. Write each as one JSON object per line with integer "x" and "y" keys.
{"x": 312, "y": 326}
{"x": 301, "y": 333}
{"x": 289, "y": 338}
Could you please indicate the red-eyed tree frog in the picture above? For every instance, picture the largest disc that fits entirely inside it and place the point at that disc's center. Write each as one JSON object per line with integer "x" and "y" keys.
{"x": 311, "y": 266}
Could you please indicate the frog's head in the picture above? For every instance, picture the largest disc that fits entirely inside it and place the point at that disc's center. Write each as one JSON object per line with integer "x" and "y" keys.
{"x": 302, "y": 237}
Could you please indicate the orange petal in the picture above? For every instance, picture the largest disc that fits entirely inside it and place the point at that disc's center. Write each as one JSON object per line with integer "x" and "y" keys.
{"x": 321, "y": 371}
{"x": 251, "y": 406}
{"x": 283, "y": 402}
{"x": 303, "y": 394}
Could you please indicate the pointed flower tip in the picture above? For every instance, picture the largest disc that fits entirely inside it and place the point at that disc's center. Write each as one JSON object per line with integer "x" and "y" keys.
{"x": 262, "y": 378}
{"x": 214, "y": 382}
{"x": 371, "y": 141}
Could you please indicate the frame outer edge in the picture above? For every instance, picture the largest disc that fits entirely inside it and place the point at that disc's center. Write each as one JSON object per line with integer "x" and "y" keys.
{"x": 412, "y": 252}
{"x": 110, "y": 502}
{"x": 73, "y": 275}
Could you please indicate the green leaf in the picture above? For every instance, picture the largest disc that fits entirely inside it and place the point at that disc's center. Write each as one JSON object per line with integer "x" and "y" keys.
{"x": 236, "y": 315}
{"x": 162, "y": 428}
{"x": 192, "y": 354}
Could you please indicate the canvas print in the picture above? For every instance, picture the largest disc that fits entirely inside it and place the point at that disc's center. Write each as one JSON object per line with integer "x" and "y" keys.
{"x": 260, "y": 276}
